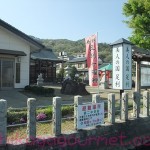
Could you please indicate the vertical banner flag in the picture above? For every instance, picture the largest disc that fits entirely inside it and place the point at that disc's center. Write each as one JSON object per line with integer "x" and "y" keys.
{"x": 92, "y": 59}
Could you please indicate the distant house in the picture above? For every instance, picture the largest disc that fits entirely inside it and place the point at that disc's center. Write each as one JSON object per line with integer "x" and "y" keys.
{"x": 15, "y": 51}
{"x": 81, "y": 65}
{"x": 105, "y": 74}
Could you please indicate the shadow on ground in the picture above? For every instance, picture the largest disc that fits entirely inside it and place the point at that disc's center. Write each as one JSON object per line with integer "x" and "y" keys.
{"x": 18, "y": 98}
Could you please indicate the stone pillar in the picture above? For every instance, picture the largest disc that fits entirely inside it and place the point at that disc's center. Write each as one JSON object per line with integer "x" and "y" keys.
{"x": 96, "y": 98}
{"x": 77, "y": 101}
{"x": 57, "y": 116}
{"x": 138, "y": 76}
{"x": 124, "y": 110}
{"x": 136, "y": 104}
{"x": 146, "y": 103}
{"x": 31, "y": 119}
{"x": 111, "y": 108}
{"x": 3, "y": 122}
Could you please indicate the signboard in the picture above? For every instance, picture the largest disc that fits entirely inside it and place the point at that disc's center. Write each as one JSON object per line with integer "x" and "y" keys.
{"x": 92, "y": 59}
{"x": 122, "y": 66}
{"x": 145, "y": 74}
{"x": 90, "y": 115}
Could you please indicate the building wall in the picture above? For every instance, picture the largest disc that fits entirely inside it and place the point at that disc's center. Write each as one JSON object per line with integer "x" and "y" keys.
{"x": 10, "y": 41}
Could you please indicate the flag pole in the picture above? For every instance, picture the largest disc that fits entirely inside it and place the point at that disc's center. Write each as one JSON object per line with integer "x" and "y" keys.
{"x": 97, "y": 66}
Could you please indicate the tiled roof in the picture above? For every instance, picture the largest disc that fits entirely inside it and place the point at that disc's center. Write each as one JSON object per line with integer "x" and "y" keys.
{"x": 120, "y": 41}
{"x": 45, "y": 54}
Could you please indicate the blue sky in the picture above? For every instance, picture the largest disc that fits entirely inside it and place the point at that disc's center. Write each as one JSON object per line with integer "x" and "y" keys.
{"x": 67, "y": 19}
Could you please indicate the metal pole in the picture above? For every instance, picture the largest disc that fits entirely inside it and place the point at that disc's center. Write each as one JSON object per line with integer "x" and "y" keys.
{"x": 97, "y": 65}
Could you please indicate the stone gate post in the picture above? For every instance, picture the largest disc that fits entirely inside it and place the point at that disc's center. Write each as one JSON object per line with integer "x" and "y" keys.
{"x": 146, "y": 103}
{"x": 124, "y": 107}
{"x": 111, "y": 108}
{"x": 31, "y": 119}
{"x": 136, "y": 104}
{"x": 77, "y": 101}
{"x": 96, "y": 98}
{"x": 3, "y": 122}
{"x": 57, "y": 116}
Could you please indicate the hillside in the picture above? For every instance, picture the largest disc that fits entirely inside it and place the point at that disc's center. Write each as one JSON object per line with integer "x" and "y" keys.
{"x": 75, "y": 47}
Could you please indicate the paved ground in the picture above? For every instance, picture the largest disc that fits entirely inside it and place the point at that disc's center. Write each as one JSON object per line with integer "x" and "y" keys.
{"x": 17, "y": 98}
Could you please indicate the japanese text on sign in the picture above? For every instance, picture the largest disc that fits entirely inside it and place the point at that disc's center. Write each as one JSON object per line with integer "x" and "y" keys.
{"x": 92, "y": 59}
{"x": 122, "y": 67}
{"x": 90, "y": 115}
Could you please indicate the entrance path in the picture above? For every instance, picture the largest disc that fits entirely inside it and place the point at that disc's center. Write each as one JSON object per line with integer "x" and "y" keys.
{"x": 17, "y": 98}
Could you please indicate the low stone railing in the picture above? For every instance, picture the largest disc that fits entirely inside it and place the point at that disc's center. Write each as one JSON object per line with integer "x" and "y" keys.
{"x": 57, "y": 116}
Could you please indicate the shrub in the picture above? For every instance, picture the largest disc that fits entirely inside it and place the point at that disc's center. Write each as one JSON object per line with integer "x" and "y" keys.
{"x": 40, "y": 90}
{"x": 67, "y": 110}
{"x": 16, "y": 116}
{"x": 27, "y": 88}
{"x": 41, "y": 116}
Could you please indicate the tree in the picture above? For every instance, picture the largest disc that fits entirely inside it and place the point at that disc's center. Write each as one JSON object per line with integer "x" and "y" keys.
{"x": 138, "y": 13}
{"x": 61, "y": 73}
{"x": 73, "y": 72}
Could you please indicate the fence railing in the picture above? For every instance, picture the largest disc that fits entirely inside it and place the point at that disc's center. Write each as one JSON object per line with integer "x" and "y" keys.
{"x": 57, "y": 114}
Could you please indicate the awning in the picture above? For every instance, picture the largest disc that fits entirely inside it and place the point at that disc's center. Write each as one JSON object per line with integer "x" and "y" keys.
{"x": 12, "y": 52}
{"x": 107, "y": 67}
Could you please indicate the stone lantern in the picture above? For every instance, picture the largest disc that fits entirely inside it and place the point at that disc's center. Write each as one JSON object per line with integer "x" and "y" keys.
{"x": 40, "y": 80}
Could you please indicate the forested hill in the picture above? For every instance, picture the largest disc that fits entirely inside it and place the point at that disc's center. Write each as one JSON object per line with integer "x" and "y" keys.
{"x": 75, "y": 47}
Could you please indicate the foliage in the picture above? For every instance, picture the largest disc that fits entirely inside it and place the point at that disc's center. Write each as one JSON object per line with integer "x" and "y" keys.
{"x": 41, "y": 116}
{"x": 16, "y": 116}
{"x": 40, "y": 90}
{"x": 67, "y": 110}
{"x": 73, "y": 72}
{"x": 61, "y": 73}
{"x": 138, "y": 13}
{"x": 75, "y": 47}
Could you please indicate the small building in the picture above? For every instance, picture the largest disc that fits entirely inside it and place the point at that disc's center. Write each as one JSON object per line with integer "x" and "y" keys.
{"x": 105, "y": 74}
{"x": 16, "y": 49}
{"x": 43, "y": 61}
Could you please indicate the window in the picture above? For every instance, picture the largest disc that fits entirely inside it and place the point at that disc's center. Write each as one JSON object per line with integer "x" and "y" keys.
{"x": 17, "y": 72}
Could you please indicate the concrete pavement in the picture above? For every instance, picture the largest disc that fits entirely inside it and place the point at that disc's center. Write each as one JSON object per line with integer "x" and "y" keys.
{"x": 16, "y": 98}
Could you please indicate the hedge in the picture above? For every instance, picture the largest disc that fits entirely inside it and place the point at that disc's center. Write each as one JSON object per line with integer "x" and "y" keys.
{"x": 15, "y": 116}
{"x": 40, "y": 90}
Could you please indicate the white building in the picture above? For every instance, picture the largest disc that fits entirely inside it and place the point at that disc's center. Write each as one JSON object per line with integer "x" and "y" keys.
{"x": 15, "y": 49}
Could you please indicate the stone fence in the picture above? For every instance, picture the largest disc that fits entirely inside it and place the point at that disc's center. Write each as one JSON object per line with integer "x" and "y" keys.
{"x": 104, "y": 136}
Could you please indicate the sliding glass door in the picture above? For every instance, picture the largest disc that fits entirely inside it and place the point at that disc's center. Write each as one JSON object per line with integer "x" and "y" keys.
{"x": 6, "y": 73}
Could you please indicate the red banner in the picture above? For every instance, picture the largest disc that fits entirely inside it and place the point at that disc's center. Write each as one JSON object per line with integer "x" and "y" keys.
{"x": 92, "y": 59}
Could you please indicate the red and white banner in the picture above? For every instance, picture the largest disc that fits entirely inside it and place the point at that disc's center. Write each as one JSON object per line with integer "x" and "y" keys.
{"x": 92, "y": 59}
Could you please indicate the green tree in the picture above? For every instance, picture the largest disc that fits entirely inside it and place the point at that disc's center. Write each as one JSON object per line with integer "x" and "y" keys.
{"x": 61, "y": 73}
{"x": 138, "y": 13}
{"x": 73, "y": 72}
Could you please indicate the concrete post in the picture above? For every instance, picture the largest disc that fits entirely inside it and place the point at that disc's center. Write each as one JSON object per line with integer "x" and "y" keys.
{"x": 3, "y": 122}
{"x": 146, "y": 103}
{"x": 111, "y": 108}
{"x": 96, "y": 98}
{"x": 136, "y": 104}
{"x": 77, "y": 101}
{"x": 57, "y": 116}
{"x": 124, "y": 110}
{"x": 31, "y": 119}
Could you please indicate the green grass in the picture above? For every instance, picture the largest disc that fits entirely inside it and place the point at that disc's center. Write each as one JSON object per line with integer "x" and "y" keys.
{"x": 16, "y": 133}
